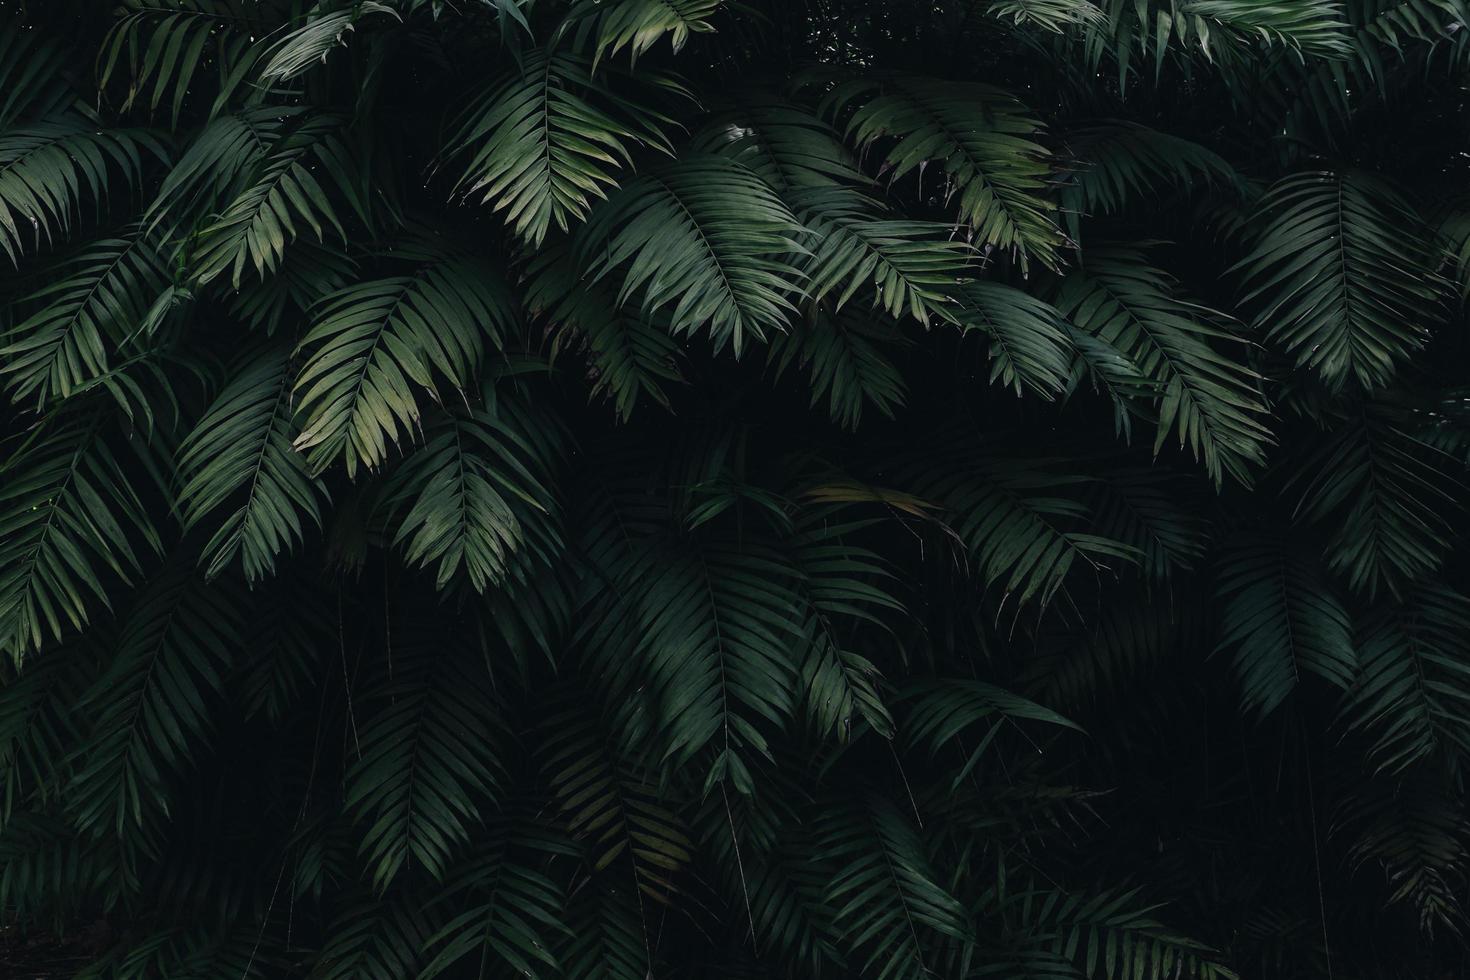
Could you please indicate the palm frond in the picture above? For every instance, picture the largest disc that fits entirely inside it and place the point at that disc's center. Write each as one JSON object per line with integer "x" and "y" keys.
{"x": 427, "y": 761}
{"x": 477, "y": 496}
{"x": 92, "y": 304}
{"x": 1280, "y": 617}
{"x": 51, "y": 167}
{"x": 1211, "y": 401}
{"x": 150, "y": 714}
{"x": 1411, "y": 693}
{"x": 72, "y": 516}
{"x": 983, "y": 137}
{"x": 237, "y": 470}
{"x": 705, "y": 236}
{"x": 1340, "y": 275}
{"x": 637, "y": 25}
{"x": 844, "y": 357}
{"x": 889, "y": 906}
{"x": 547, "y": 139}
{"x": 373, "y": 346}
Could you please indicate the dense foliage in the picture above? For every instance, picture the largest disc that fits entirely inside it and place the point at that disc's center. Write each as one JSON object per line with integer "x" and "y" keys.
{"x": 614, "y": 489}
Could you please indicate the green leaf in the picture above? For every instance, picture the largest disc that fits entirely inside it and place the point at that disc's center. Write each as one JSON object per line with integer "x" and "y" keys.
{"x": 373, "y": 346}
{"x": 984, "y": 139}
{"x": 237, "y": 470}
{"x": 150, "y": 714}
{"x": 638, "y": 25}
{"x": 705, "y": 236}
{"x": 426, "y": 755}
{"x": 1280, "y": 617}
{"x": 546, "y": 139}
{"x": 51, "y": 167}
{"x": 71, "y": 517}
{"x": 478, "y": 496}
{"x": 92, "y": 303}
{"x": 1342, "y": 277}
{"x": 1210, "y": 400}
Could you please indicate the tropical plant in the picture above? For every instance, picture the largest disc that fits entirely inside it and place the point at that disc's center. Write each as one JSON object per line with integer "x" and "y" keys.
{"x": 627, "y": 489}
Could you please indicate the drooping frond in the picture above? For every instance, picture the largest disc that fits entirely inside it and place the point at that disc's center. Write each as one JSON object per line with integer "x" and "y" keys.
{"x": 374, "y": 346}
{"x": 1122, "y": 162}
{"x": 238, "y": 471}
{"x": 984, "y": 139}
{"x": 890, "y": 908}
{"x": 845, "y": 360}
{"x": 846, "y": 588}
{"x": 630, "y": 356}
{"x": 1209, "y": 399}
{"x": 1112, "y": 935}
{"x": 71, "y": 517}
{"x": 1413, "y": 690}
{"x": 547, "y": 139}
{"x": 907, "y": 266}
{"x": 705, "y": 236}
{"x": 1383, "y": 494}
{"x": 426, "y": 760}
{"x": 374, "y": 940}
{"x": 309, "y": 44}
{"x": 163, "y": 48}
{"x": 91, "y": 304}
{"x": 1279, "y": 617}
{"x": 633, "y": 843}
{"x": 505, "y": 911}
{"x": 51, "y": 167}
{"x": 1028, "y": 342}
{"x": 638, "y": 25}
{"x": 477, "y": 496}
{"x": 1016, "y": 519}
{"x": 1339, "y": 275}
{"x": 149, "y": 714}
{"x": 279, "y": 199}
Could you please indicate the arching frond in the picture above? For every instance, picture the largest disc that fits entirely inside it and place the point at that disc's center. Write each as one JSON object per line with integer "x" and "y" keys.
{"x": 1340, "y": 273}
{"x": 890, "y": 908}
{"x": 280, "y": 192}
{"x": 93, "y": 302}
{"x": 426, "y": 755}
{"x": 238, "y": 470}
{"x": 630, "y": 356}
{"x": 1111, "y": 935}
{"x": 374, "y": 346}
{"x": 984, "y": 138}
{"x": 634, "y": 845}
{"x": 374, "y": 940}
{"x": 791, "y": 149}
{"x": 505, "y": 911}
{"x": 71, "y": 517}
{"x": 305, "y": 46}
{"x": 150, "y": 713}
{"x": 1280, "y": 618}
{"x": 705, "y": 236}
{"x": 164, "y": 47}
{"x": 51, "y": 167}
{"x": 1411, "y": 695}
{"x": 545, "y": 140}
{"x": 478, "y": 495}
{"x": 1385, "y": 496}
{"x": 1024, "y": 532}
{"x": 1121, "y": 162}
{"x": 906, "y": 265}
{"x": 1212, "y": 401}
{"x": 845, "y": 587}
{"x": 637, "y": 25}
{"x": 844, "y": 357}
{"x": 1028, "y": 340}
